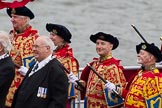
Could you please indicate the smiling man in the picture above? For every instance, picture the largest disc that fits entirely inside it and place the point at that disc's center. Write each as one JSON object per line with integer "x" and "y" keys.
{"x": 146, "y": 89}
{"x": 45, "y": 84}
{"x": 22, "y": 38}
{"x": 107, "y": 67}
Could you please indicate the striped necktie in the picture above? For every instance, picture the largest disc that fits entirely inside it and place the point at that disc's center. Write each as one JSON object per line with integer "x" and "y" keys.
{"x": 35, "y": 67}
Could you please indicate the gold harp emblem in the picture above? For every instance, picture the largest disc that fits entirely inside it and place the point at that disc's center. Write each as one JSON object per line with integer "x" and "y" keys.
{"x": 102, "y": 37}
{"x": 13, "y": 11}
{"x": 143, "y": 47}
{"x": 54, "y": 31}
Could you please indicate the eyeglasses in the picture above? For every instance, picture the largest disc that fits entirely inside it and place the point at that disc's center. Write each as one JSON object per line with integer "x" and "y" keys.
{"x": 36, "y": 46}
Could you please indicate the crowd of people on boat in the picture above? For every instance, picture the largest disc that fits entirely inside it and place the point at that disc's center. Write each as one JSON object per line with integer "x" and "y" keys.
{"x": 38, "y": 71}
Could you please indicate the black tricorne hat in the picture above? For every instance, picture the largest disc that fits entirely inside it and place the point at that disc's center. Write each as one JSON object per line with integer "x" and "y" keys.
{"x": 23, "y": 11}
{"x": 59, "y": 30}
{"x": 106, "y": 37}
{"x": 151, "y": 48}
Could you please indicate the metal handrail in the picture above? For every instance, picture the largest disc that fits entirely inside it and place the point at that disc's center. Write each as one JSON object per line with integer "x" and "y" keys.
{"x": 79, "y": 103}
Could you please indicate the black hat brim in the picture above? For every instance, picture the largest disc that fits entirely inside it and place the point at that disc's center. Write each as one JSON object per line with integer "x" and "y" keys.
{"x": 108, "y": 37}
{"x": 23, "y": 11}
{"x": 63, "y": 32}
{"x": 151, "y": 48}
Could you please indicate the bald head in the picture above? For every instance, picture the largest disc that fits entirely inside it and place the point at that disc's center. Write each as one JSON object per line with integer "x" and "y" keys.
{"x": 46, "y": 41}
{"x": 42, "y": 47}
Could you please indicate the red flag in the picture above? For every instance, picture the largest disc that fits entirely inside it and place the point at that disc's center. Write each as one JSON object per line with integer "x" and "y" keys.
{"x": 13, "y": 3}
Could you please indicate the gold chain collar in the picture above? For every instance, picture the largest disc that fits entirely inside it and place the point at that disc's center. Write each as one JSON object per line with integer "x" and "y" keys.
{"x": 105, "y": 57}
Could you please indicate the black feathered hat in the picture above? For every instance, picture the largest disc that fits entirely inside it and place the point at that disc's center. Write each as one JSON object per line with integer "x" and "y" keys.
{"x": 59, "y": 30}
{"x": 151, "y": 48}
{"x": 23, "y": 11}
{"x": 106, "y": 37}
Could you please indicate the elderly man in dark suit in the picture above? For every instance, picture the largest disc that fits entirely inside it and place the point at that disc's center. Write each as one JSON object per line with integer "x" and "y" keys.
{"x": 7, "y": 69}
{"x": 45, "y": 84}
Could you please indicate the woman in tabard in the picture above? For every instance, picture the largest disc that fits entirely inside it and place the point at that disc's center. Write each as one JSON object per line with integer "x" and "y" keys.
{"x": 61, "y": 36}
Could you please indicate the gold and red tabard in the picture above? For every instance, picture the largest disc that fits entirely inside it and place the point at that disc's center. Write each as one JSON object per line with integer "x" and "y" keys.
{"x": 65, "y": 56}
{"x": 145, "y": 90}
{"x": 22, "y": 55}
{"x": 110, "y": 70}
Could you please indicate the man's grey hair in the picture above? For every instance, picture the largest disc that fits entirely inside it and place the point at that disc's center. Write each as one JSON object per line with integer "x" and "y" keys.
{"x": 5, "y": 41}
{"x": 48, "y": 42}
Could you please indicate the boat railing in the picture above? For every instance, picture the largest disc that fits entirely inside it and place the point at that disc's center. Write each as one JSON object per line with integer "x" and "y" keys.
{"x": 127, "y": 69}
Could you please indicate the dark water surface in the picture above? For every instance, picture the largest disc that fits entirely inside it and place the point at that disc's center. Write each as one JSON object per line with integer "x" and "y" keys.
{"x": 86, "y": 17}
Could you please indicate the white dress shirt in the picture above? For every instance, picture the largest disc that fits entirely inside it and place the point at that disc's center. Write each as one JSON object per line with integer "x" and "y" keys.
{"x": 41, "y": 64}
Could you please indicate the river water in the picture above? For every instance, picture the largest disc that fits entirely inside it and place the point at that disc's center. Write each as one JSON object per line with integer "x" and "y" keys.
{"x": 86, "y": 17}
